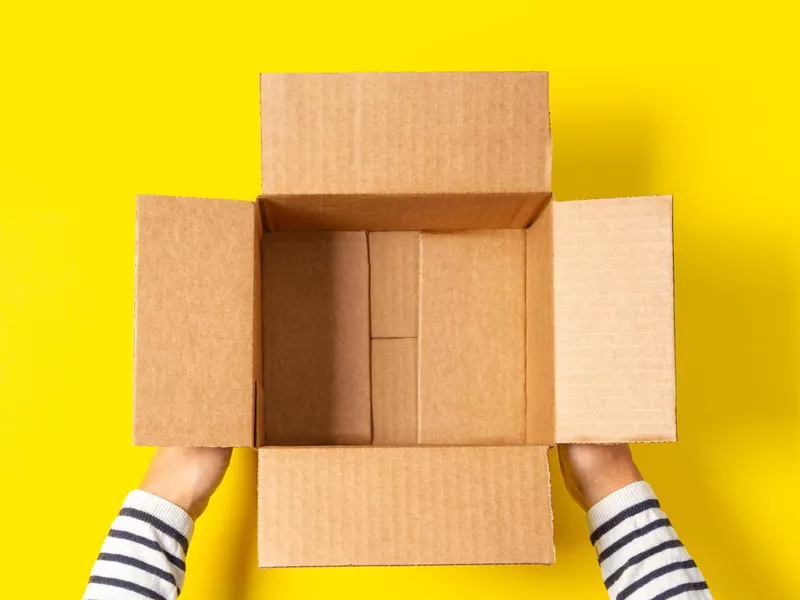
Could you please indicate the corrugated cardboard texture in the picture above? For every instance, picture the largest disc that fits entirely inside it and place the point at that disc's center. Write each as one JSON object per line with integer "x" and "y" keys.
{"x": 438, "y": 212}
{"x": 258, "y": 407}
{"x": 540, "y": 343}
{"x": 195, "y": 345}
{"x": 472, "y": 338}
{"x": 394, "y": 283}
{"x": 404, "y": 133}
{"x": 614, "y": 320}
{"x": 403, "y": 506}
{"x": 316, "y": 345}
{"x": 394, "y": 392}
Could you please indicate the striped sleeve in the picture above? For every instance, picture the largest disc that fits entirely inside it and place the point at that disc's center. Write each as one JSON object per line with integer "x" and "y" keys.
{"x": 639, "y": 552}
{"x": 144, "y": 553}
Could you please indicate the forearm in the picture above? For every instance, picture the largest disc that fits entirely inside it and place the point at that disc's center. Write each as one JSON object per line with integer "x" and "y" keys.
{"x": 144, "y": 553}
{"x": 639, "y": 552}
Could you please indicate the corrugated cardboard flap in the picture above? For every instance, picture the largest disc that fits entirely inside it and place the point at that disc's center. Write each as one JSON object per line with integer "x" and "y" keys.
{"x": 601, "y": 322}
{"x": 404, "y": 151}
{"x": 404, "y": 133}
{"x": 404, "y": 506}
{"x": 197, "y": 342}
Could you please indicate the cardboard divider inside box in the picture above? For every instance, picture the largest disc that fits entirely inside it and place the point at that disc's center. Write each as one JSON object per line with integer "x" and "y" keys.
{"x": 404, "y": 321}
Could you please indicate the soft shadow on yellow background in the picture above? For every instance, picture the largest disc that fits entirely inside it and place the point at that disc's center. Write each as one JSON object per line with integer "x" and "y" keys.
{"x": 101, "y": 101}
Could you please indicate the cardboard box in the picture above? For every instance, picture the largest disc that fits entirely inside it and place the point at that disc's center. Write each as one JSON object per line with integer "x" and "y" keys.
{"x": 402, "y": 388}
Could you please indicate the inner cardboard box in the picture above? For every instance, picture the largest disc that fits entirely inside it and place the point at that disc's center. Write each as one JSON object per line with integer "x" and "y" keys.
{"x": 404, "y": 321}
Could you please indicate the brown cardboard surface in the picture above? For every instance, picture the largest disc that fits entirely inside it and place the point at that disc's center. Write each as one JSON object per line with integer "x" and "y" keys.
{"x": 614, "y": 320}
{"x": 472, "y": 338}
{"x": 394, "y": 392}
{"x": 316, "y": 346}
{"x": 195, "y": 347}
{"x": 394, "y": 283}
{"x": 403, "y": 506}
{"x": 258, "y": 406}
{"x": 404, "y": 133}
{"x": 539, "y": 338}
{"x": 393, "y": 212}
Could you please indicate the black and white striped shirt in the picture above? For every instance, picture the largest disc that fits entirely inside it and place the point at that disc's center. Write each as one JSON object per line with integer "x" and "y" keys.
{"x": 143, "y": 555}
{"x": 639, "y": 552}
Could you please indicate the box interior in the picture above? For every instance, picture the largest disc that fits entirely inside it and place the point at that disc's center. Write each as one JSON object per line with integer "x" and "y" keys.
{"x": 435, "y": 318}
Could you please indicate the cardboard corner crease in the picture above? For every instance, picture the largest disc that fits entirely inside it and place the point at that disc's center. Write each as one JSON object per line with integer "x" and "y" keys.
{"x": 404, "y": 321}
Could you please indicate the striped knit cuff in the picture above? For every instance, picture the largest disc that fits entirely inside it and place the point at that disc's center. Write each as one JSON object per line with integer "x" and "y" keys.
{"x": 164, "y": 510}
{"x": 618, "y": 501}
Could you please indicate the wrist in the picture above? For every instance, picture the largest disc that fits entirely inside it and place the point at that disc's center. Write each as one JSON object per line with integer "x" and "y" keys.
{"x": 187, "y": 477}
{"x": 174, "y": 494}
{"x": 609, "y": 480}
{"x": 593, "y": 471}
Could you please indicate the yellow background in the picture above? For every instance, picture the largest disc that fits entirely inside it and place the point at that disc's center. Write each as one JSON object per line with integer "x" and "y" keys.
{"x": 101, "y": 101}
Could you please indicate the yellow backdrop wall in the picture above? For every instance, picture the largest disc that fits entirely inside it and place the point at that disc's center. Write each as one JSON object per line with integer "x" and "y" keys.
{"x": 99, "y": 101}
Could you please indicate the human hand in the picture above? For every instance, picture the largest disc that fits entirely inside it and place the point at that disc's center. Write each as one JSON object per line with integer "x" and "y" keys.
{"x": 592, "y": 471}
{"x": 187, "y": 476}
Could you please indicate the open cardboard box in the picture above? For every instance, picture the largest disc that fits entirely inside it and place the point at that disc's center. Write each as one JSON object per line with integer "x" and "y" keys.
{"x": 404, "y": 321}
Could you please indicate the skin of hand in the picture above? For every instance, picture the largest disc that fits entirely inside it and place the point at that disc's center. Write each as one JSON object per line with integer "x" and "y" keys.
{"x": 593, "y": 471}
{"x": 187, "y": 476}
